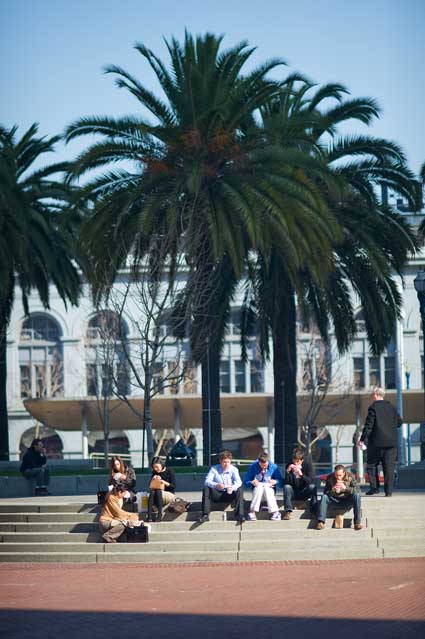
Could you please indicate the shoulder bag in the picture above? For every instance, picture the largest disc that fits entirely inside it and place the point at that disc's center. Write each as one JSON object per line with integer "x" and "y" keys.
{"x": 137, "y": 534}
{"x": 178, "y": 506}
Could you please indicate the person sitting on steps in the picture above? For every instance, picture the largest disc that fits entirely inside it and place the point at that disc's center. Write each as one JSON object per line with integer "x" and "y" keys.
{"x": 340, "y": 489}
{"x": 113, "y": 520}
{"x": 263, "y": 477}
{"x": 121, "y": 473}
{"x": 223, "y": 484}
{"x": 162, "y": 487}
{"x": 299, "y": 483}
{"x": 34, "y": 467}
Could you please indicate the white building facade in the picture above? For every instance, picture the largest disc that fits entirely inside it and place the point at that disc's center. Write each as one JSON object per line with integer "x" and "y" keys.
{"x": 51, "y": 353}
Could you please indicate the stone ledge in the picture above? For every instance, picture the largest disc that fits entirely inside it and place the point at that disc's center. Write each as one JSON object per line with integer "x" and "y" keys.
{"x": 412, "y": 476}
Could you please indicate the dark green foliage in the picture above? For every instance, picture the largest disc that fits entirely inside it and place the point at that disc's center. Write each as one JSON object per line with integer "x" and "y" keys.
{"x": 36, "y": 236}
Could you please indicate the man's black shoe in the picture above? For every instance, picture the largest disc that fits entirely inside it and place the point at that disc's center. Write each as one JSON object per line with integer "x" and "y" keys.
{"x": 203, "y": 518}
{"x": 240, "y": 519}
{"x": 372, "y": 491}
{"x": 388, "y": 494}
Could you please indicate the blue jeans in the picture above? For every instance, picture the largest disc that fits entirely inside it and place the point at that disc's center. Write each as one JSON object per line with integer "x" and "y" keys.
{"x": 308, "y": 492}
{"x": 352, "y": 501}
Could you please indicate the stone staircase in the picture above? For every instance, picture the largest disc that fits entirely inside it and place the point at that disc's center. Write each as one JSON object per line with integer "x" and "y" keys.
{"x": 56, "y": 529}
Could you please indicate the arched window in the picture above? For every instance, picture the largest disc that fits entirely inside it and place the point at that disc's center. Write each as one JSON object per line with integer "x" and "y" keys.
{"x": 107, "y": 370}
{"x": 51, "y": 441}
{"x": 40, "y": 357}
{"x": 166, "y": 326}
{"x": 106, "y": 325}
{"x": 360, "y": 322}
{"x": 234, "y": 324}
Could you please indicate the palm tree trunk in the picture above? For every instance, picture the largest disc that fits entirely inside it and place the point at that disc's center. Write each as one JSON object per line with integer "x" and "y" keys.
{"x": 285, "y": 381}
{"x": 4, "y": 422}
{"x": 206, "y": 349}
{"x": 211, "y": 413}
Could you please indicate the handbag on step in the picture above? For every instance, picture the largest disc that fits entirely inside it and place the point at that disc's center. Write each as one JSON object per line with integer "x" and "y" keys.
{"x": 178, "y": 506}
{"x": 137, "y": 534}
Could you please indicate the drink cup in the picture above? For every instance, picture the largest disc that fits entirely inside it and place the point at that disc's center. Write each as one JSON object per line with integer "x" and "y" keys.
{"x": 229, "y": 490}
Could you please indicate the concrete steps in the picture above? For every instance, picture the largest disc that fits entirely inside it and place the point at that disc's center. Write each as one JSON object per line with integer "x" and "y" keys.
{"x": 48, "y": 530}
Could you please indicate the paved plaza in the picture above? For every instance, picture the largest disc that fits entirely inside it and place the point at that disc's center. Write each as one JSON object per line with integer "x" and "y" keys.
{"x": 349, "y": 597}
{"x": 355, "y": 598}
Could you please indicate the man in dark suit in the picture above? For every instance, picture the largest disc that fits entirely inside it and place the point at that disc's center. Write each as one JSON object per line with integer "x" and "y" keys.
{"x": 380, "y": 436}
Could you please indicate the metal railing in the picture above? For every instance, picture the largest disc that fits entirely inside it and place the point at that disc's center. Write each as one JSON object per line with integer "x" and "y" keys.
{"x": 98, "y": 459}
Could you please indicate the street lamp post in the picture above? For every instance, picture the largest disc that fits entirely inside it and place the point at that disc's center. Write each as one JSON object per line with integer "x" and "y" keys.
{"x": 409, "y": 443}
{"x": 401, "y": 434}
{"x": 419, "y": 283}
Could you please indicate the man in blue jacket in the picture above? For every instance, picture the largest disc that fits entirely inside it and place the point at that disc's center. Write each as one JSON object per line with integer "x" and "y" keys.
{"x": 263, "y": 477}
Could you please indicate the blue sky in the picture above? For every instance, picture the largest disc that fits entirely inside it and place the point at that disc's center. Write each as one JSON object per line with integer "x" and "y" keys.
{"x": 53, "y": 52}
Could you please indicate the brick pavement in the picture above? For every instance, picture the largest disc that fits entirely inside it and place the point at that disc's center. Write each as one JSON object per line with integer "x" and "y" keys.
{"x": 362, "y": 599}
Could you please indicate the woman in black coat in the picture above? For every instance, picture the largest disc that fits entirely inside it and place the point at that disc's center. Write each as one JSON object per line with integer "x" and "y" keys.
{"x": 162, "y": 487}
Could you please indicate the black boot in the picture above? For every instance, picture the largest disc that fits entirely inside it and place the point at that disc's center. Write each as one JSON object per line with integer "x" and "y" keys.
{"x": 150, "y": 508}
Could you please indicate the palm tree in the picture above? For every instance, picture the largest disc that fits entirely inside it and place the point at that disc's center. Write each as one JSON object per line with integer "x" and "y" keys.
{"x": 35, "y": 229}
{"x": 375, "y": 240}
{"x": 200, "y": 172}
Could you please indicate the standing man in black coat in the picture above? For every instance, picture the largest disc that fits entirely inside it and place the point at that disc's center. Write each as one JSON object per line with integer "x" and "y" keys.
{"x": 380, "y": 436}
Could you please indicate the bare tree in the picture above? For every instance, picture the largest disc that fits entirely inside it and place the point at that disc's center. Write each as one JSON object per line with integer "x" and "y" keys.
{"x": 151, "y": 347}
{"x": 103, "y": 347}
{"x": 322, "y": 374}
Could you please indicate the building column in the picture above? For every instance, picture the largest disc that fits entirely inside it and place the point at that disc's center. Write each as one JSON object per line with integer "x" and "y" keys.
{"x": 360, "y": 464}
{"x": 197, "y": 432}
{"x": 18, "y": 424}
{"x": 74, "y": 371}
{"x": 177, "y": 419}
{"x": 135, "y": 445}
{"x": 270, "y": 426}
{"x": 84, "y": 434}
{"x": 399, "y": 363}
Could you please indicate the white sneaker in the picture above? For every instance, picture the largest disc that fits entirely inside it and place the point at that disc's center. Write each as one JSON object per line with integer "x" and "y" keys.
{"x": 276, "y": 516}
{"x": 252, "y": 516}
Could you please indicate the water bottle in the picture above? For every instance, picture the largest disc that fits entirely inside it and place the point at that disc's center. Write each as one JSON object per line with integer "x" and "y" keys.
{"x": 224, "y": 515}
